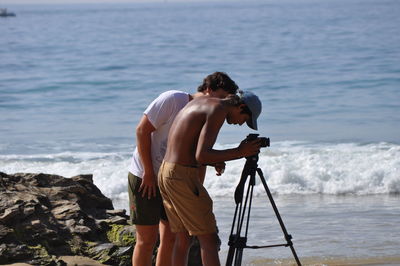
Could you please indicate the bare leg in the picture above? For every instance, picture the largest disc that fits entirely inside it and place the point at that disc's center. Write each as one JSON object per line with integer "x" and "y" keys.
{"x": 146, "y": 238}
{"x": 209, "y": 249}
{"x": 181, "y": 249}
{"x": 167, "y": 240}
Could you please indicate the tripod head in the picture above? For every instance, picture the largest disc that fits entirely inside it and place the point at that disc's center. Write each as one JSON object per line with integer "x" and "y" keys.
{"x": 250, "y": 166}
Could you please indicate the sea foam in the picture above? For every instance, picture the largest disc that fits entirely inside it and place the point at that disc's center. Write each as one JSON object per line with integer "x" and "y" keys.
{"x": 288, "y": 167}
{"x": 306, "y": 168}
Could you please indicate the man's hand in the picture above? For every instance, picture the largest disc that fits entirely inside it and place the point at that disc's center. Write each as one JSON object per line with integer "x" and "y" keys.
{"x": 220, "y": 168}
{"x": 249, "y": 148}
{"x": 148, "y": 186}
{"x": 143, "y": 139}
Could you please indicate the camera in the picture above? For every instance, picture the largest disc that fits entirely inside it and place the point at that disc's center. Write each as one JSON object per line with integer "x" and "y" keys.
{"x": 264, "y": 141}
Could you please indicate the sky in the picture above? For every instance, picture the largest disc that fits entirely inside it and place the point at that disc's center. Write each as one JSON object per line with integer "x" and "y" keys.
{"x": 3, "y": 3}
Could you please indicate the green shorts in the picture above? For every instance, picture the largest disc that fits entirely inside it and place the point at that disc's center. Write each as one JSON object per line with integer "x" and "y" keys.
{"x": 144, "y": 211}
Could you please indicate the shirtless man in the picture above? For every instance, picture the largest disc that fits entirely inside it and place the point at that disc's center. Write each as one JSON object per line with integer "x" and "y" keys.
{"x": 190, "y": 145}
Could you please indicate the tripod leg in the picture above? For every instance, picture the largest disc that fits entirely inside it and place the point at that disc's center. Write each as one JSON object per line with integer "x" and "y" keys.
{"x": 271, "y": 199}
{"x": 238, "y": 257}
{"x": 232, "y": 237}
{"x": 236, "y": 242}
{"x": 232, "y": 249}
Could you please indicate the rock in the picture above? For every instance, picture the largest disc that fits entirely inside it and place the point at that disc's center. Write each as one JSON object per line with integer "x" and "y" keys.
{"x": 118, "y": 220}
{"x": 83, "y": 178}
{"x": 103, "y": 253}
{"x": 116, "y": 212}
{"x": 124, "y": 251}
{"x": 5, "y": 231}
{"x": 35, "y": 223}
{"x": 16, "y": 252}
{"x": 9, "y": 213}
{"x": 45, "y": 216}
{"x": 28, "y": 210}
{"x": 81, "y": 229}
{"x": 104, "y": 247}
{"x": 70, "y": 223}
{"x": 121, "y": 235}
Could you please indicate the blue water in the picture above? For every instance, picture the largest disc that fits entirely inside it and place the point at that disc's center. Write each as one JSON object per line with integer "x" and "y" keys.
{"x": 325, "y": 70}
{"x": 75, "y": 79}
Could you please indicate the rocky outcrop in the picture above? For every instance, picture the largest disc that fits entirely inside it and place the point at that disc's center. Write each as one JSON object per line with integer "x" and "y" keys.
{"x": 45, "y": 216}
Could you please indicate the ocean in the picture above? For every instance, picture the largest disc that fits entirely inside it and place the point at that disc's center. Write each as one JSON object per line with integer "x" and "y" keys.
{"x": 75, "y": 79}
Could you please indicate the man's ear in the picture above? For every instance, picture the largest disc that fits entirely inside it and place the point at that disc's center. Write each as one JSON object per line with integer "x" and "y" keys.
{"x": 241, "y": 106}
{"x": 207, "y": 91}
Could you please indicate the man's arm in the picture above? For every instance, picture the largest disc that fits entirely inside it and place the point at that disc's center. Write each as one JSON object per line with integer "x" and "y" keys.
{"x": 143, "y": 142}
{"x": 205, "y": 154}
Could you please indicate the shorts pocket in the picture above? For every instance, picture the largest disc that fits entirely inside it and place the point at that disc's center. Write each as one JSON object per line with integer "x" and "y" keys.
{"x": 201, "y": 191}
{"x": 196, "y": 191}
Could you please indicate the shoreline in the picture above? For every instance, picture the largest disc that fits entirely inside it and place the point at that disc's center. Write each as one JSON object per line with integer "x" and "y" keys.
{"x": 311, "y": 261}
{"x": 329, "y": 261}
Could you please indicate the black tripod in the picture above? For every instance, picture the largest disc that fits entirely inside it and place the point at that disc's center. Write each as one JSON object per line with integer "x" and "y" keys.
{"x": 237, "y": 242}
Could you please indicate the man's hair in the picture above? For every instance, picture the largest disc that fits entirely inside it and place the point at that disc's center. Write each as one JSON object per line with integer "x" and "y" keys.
{"x": 219, "y": 80}
{"x": 235, "y": 100}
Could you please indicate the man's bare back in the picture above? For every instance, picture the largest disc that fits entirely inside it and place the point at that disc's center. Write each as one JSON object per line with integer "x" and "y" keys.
{"x": 195, "y": 130}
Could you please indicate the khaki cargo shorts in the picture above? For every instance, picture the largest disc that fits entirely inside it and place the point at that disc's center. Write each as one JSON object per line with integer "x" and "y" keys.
{"x": 186, "y": 201}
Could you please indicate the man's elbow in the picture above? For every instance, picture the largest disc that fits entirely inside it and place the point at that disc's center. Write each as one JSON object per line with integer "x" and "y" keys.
{"x": 201, "y": 158}
{"x": 141, "y": 131}
{"x": 144, "y": 128}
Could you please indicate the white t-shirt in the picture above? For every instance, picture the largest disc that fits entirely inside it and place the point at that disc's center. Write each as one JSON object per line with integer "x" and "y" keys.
{"x": 161, "y": 113}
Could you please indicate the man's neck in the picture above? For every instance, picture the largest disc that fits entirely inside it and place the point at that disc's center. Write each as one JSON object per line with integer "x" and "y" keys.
{"x": 195, "y": 95}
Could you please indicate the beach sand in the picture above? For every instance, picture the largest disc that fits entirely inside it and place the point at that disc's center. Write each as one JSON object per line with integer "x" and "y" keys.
{"x": 337, "y": 261}
{"x": 70, "y": 260}
{"x": 311, "y": 261}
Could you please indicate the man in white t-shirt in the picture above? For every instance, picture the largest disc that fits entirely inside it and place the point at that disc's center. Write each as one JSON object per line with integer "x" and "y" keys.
{"x": 147, "y": 211}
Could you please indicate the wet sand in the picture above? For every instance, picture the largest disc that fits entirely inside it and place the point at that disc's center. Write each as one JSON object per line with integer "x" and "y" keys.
{"x": 312, "y": 261}
{"x": 70, "y": 260}
{"x": 337, "y": 261}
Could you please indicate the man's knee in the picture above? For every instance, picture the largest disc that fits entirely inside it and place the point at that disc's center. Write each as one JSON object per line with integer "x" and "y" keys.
{"x": 145, "y": 245}
{"x": 166, "y": 236}
{"x": 208, "y": 240}
{"x": 146, "y": 236}
{"x": 184, "y": 242}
